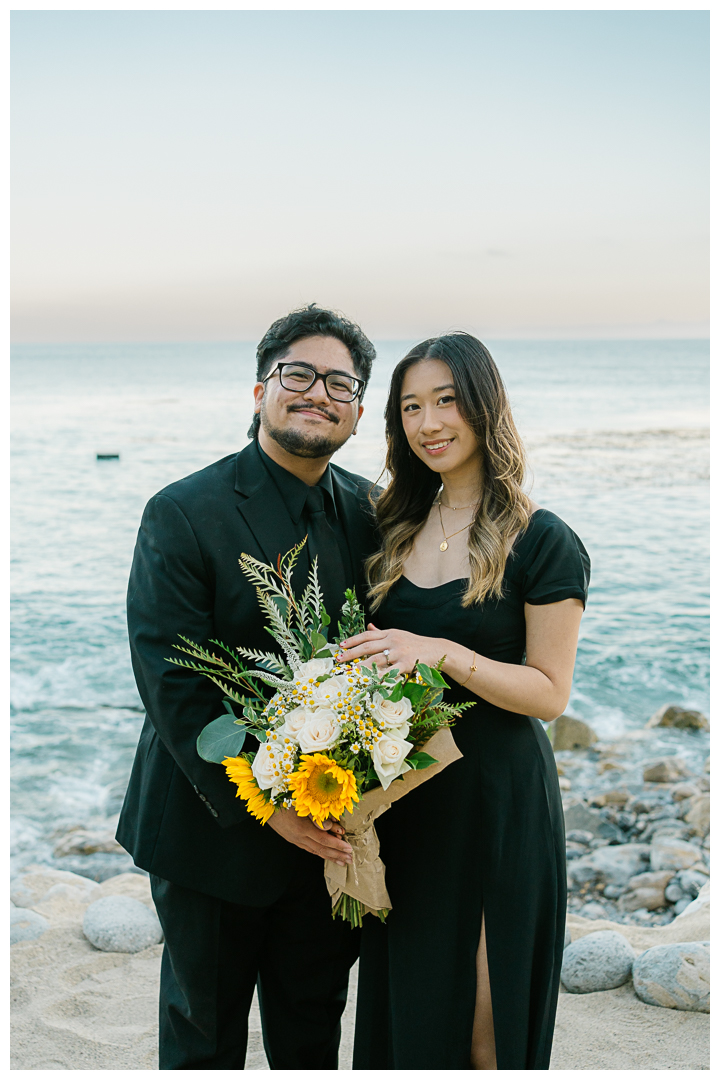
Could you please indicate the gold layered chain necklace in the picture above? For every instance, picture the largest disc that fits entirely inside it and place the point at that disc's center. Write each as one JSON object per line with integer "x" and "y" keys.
{"x": 444, "y": 544}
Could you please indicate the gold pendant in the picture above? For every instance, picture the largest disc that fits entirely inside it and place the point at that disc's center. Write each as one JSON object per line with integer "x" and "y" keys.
{"x": 443, "y": 546}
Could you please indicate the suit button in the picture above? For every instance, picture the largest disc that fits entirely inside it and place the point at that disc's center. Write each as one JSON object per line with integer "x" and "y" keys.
{"x": 213, "y": 812}
{"x": 202, "y": 796}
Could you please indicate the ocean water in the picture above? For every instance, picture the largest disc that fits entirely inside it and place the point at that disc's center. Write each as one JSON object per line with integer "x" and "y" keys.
{"x": 617, "y": 438}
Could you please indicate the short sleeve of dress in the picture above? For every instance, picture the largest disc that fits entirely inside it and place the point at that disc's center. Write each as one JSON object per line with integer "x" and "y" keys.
{"x": 552, "y": 562}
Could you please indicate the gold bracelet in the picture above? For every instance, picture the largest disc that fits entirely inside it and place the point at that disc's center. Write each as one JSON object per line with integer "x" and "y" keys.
{"x": 473, "y": 669}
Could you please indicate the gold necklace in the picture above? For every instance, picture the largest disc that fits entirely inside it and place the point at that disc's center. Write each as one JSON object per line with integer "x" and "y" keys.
{"x": 444, "y": 545}
{"x": 448, "y": 507}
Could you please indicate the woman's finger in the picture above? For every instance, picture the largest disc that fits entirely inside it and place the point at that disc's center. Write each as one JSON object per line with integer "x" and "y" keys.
{"x": 359, "y": 639}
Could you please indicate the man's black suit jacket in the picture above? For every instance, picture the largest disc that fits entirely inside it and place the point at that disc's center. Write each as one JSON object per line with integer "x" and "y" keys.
{"x": 181, "y": 819}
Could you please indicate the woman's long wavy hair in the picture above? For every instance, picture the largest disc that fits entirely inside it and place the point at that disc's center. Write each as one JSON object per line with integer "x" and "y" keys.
{"x": 404, "y": 505}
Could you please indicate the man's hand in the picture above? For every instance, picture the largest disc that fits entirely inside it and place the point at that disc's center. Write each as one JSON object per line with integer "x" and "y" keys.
{"x": 303, "y": 832}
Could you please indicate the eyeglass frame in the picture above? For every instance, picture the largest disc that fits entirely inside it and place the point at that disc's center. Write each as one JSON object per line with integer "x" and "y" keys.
{"x": 361, "y": 383}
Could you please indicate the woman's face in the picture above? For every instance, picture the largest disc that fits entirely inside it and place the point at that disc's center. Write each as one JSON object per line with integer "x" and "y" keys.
{"x": 433, "y": 425}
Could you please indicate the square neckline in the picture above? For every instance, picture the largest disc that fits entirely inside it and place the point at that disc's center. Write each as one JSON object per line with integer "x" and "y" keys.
{"x": 454, "y": 581}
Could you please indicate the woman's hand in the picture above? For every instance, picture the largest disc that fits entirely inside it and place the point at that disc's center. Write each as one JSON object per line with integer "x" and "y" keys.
{"x": 393, "y": 649}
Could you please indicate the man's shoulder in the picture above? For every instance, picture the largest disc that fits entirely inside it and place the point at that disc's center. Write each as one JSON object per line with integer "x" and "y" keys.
{"x": 219, "y": 477}
{"x": 354, "y": 482}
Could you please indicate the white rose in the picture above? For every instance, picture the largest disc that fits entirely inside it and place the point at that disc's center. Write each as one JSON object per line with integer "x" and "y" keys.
{"x": 388, "y": 755}
{"x": 265, "y": 768}
{"x": 293, "y": 723}
{"x": 320, "y": 731}
{"x": 313, "y": 669}
{"x": 329, "y": 692}
{"x": 391, "y": 714}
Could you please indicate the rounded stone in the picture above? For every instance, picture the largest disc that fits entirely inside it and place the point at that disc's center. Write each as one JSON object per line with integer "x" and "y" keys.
{"x": 669, "y": 853}
{"x": 598, "y": 961}
{"x": 674, "y": 976}
{"x": 26, "y": 925}
{"x": 120, "y": 924}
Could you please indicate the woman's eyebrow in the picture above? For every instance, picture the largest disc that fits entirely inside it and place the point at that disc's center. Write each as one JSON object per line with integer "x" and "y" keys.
{"x": 435, "y": 390}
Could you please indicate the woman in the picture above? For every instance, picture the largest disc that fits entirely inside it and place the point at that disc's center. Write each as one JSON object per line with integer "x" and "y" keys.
{"x": 465, "y": 973}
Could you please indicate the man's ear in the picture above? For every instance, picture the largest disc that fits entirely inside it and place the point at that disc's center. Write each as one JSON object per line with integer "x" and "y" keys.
{"x": 258, "y": 394}
{"x": 361, "y": 410}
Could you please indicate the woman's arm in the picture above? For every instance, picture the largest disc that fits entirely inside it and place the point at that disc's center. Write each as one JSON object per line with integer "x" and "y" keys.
{"x": 540, "y": 687}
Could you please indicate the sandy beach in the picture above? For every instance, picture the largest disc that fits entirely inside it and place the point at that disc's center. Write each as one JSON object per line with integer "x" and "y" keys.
{"x": 74, "y": 1007}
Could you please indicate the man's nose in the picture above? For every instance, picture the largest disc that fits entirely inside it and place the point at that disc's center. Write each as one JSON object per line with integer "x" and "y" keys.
{"x": 317, "y": 392}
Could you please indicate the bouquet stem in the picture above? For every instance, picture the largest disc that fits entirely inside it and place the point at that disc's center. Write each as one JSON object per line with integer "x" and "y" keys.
{"x": 352, "y": 911}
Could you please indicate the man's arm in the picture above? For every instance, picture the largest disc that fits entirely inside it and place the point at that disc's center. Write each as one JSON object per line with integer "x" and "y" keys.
{"x": 170, "y": 593}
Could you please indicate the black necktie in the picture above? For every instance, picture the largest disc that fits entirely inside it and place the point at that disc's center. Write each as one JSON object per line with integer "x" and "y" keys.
{"x": 322, "y": 543}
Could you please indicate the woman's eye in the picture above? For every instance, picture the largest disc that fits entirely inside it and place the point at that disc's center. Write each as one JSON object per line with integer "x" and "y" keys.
{"x": 410, "y": 408}
{"x": 446, "y": 399}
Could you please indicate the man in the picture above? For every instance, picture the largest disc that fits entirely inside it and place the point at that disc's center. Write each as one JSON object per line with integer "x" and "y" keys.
{"x": 242, "y": 903}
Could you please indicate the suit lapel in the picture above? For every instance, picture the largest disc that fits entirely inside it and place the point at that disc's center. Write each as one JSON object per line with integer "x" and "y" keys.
{"x": 262, "y": 507}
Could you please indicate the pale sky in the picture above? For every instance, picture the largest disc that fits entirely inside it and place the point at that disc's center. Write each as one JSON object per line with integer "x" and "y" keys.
{"x": 188, "y": 175}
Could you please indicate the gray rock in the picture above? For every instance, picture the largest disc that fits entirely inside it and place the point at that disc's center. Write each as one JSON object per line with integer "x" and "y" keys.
{"x": 120, "y": 924}
{"x": 568, "y": 937}
{"x": 691, "y": 882}
{"x": 678, "y": 717}
{"x": 673, "y": 893}
{"x": 609, "y": 865}
{"x": 674, "y": 976}
{"x": 569, "y": 733}
{"x": 29, "y": 889}
{"x": 593, "y": 910}
{"x": 26, "y": 925}
{"x": 665, "y": 771}
{"x": 598, "y": 961}
{"x": 682, "y": 903}
{"x": 612, "y": 891}
{"x": 669, "y": 853}
{"x": 579, "y": 818}
{"x": 579, "y": 836}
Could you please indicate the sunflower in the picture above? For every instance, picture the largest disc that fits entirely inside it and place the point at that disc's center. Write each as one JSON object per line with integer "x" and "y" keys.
{"x": 322, "y": 788}
{"x": 240, "y": 772}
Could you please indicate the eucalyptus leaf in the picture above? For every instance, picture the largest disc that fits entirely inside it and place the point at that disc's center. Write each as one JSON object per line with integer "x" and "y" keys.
{"x": 318, "y": 641}
{"x": 220, "y": 739}
{"x": 398, "y": 692}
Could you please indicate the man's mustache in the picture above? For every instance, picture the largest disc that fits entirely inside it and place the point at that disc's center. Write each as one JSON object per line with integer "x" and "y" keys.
{"x": 315, "y": 408}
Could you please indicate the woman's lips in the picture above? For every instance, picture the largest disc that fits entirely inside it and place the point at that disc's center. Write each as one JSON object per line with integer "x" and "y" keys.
{"x": 437, "y": 447}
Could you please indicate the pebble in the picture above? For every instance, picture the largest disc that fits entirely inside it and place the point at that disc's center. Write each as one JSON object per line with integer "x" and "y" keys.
{"x": 678, "y": 717}
{"x": 669, "y": 853}
{"x": 674, "y": 976}
{"x": 610, "y": 865}
{"x": 120, "y": 924}
{"x": 665, "y": 771}
{"x": 26, "y": 925}
{"x": 569, "y": 733}
{"x": 646, "y": 891}
{"x": 698, "y": 814}
{"x": 599, "y": 961}
{"x": 30, "y": 889}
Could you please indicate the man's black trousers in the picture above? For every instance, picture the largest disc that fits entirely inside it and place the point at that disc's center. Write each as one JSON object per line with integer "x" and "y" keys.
{"x": 215, "y": 952}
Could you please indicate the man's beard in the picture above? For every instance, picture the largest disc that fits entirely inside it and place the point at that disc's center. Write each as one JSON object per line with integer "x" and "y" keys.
{"x": 299, "y": 443}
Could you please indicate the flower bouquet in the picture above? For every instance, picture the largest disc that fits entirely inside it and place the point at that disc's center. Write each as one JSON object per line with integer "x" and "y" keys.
{"x": 332, "y": 735}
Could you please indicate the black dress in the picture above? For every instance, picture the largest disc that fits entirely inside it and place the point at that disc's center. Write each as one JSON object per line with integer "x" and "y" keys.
{"x": 486, "y": 834}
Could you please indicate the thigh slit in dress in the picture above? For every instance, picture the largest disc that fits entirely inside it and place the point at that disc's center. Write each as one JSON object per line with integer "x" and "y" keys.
{"x": 486, "y": 834}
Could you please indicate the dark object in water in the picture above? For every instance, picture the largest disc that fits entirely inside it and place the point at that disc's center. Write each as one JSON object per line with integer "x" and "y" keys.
{"x": 107, "y": 457}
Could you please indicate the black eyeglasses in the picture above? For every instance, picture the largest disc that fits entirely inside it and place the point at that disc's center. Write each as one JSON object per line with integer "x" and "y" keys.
{"x": 300, "y": 377}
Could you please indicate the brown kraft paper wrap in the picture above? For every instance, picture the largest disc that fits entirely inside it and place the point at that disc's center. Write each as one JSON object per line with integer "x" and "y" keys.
{"x": 364, "y": 879}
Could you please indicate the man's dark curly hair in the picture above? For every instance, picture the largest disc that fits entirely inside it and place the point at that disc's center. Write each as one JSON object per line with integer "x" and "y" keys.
{"x": 311, "y": 321}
